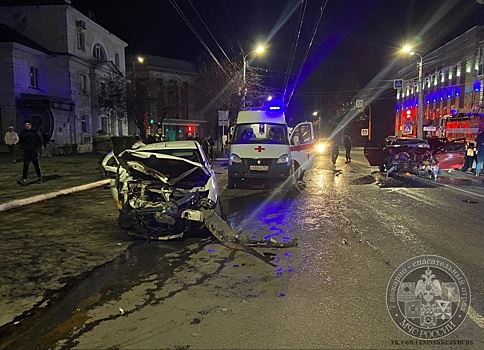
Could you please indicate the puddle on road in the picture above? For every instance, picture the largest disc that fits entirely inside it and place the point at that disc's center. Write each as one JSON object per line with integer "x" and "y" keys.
{"x": 68, "y": 307}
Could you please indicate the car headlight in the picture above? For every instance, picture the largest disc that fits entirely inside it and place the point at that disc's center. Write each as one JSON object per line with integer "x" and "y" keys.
{"x": 235, "y": 158}
{"x": 321, "y": 147}
{"x": 284, "y": 159}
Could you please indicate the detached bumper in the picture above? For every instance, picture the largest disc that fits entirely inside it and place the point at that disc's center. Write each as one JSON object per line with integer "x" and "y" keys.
{"x": 275, "y": 171}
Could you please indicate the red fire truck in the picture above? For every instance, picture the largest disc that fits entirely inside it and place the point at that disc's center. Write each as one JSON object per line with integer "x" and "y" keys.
{"x": 461, "y": 126}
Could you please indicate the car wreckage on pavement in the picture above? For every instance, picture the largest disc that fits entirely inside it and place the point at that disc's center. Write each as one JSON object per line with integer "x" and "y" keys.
{"x": 161, "y": 189}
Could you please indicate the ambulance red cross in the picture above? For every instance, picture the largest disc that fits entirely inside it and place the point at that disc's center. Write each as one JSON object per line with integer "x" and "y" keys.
{"x": 263, "y": 149}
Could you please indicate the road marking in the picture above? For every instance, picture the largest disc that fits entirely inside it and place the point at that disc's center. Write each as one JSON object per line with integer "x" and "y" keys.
{"x": 474, "y": 316}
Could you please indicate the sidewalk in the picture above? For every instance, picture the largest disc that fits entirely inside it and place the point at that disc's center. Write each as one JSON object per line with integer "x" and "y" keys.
{"x": 59, "y": 172}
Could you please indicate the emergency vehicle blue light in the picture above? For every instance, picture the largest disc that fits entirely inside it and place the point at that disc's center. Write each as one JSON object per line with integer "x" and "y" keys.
{"x": 477, "y": 86}
{"x": 275, "y": 108}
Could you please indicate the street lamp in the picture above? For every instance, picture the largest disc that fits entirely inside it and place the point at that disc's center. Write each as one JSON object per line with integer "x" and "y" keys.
{"x": 139, "y": 60}
{"x": 315, "y": 113}
{"x": 259, "y": 50}
{"x": 407, "y": 49}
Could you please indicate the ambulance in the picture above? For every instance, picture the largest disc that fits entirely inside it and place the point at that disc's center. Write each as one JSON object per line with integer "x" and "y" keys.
{"x": 262, "y": 148}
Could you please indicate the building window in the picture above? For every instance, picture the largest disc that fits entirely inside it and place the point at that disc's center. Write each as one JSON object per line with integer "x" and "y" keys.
{"x": 34, "y": 77}
{"x": 468, "y": 66}
{"x": 442, "y": 76}
{"x": 99, "y": 52}
{"x": 81, "y": 41}
{"x": 451, "y": 69}
{"x": 84, "y": 124}
{"x": 83, "y": 84}
{"x": 459, "y": 69}
{"x": 116, "y": 59}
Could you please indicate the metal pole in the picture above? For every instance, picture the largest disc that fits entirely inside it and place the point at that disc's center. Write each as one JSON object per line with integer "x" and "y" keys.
{"x": 244, "y": 91}
{"x": 369, "y": 123}
{"x": 420, "y": 99}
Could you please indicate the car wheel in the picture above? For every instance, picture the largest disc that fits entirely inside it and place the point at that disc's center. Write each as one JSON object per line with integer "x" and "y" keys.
{"x": 124, "y": 219}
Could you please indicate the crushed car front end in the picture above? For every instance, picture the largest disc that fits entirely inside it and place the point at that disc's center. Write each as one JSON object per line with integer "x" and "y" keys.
{"x": 160, "y": 195}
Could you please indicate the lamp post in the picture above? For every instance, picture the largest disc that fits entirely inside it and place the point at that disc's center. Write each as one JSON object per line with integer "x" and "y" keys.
{"x": 407, "y": 49}
{"x": 258, "y": 51}
{"x": 140, "y": 60}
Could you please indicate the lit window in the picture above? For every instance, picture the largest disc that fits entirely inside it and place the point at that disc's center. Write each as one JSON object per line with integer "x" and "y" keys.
{"x": 442, "y": 76}
{"x": 81, "y": 40}
{"x": 83, "y": 84}
{"x": 459, "y": 68}
{"x": 411, "y": 91}
{"x": 435, "y": 79}
{"x": 451, "y": 69}
{"x": 34, "y": 77}
{"x": 398, "y": 94}
{"x": 468, "y": 66}
{"x": 99, "y": 52}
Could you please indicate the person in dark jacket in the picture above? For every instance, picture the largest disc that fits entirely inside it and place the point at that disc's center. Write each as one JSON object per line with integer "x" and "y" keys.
{"x": 347, "y": 143}
{"x": 480, "y": 152}
{"x": 335, "y": 150}
{"x": 31, "y": 142}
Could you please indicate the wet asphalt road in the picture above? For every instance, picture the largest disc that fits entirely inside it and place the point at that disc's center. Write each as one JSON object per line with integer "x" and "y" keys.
{"x": 328, "y": 292}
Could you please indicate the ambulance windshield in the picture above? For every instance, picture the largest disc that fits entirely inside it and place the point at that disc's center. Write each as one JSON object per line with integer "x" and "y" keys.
{"x": 260, "y": 133}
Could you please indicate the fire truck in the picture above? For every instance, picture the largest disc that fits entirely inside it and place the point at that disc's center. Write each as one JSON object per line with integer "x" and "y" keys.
{"x": 461, "y": 126}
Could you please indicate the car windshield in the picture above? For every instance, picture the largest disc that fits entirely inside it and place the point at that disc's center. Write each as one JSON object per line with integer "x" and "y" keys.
{"x": 265, "y": 133}
{"x": 189, "y": 154}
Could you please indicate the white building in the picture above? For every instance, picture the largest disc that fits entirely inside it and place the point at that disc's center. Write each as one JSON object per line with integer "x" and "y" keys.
{"x": 54, "y": 62}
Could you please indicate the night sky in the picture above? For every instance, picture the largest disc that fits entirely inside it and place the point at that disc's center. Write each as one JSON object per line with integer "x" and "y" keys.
{"x": 355, "y": 40}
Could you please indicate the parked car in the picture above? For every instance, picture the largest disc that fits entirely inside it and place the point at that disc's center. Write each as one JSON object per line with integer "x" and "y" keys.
{"x": 161, "y": 188}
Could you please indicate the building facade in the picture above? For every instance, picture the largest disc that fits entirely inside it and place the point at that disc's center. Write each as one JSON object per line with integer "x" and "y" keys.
{"x": 453, "y": 79}
{"x": 164, "y": 95}
{"x": 57, "y": 70}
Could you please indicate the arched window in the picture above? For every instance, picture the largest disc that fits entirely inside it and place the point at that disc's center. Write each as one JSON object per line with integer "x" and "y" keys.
{"x": 99, "y": 52}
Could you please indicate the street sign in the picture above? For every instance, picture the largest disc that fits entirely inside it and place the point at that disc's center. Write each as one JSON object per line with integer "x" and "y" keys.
{"x": 429, "y": 128}
{"x": 364, "y": 132}
{"x": 398, "y": 84}
{"x": 359, "y": 104}
{"x": 223, "y": 118}
{"x": 407, "y": 128}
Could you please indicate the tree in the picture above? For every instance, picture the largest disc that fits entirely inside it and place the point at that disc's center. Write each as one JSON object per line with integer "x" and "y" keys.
{"x": 112, "y": 96}
{"x": 215, "y": 89}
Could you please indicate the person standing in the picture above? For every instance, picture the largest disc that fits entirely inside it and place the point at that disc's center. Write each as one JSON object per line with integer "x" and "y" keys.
{"x": 102, "y": 145}
{"x": 480, "y": 152}
{"x": 347, "y": 143}
{"x": 11, "y": 140}
{"x": 31, "y": 142}
{"x": 335, "y": 151}
{"x": 469, "y": 157}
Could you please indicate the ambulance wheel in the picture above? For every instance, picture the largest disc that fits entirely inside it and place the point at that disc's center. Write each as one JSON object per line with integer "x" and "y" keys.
{"x": 232, "y": 183}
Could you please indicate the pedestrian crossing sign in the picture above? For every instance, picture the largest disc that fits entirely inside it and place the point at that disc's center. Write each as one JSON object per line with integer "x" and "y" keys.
{"x": 398, "y": 84}
{"x": 407, "y": 128}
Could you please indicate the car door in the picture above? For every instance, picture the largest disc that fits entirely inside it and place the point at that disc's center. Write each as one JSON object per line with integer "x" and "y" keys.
{"x": 451, "y": 156}
{"x": 301, "y": 144}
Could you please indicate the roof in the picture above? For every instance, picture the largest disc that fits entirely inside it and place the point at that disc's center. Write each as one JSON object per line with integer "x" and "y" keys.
{"x": 169, "y": 145}
{"x": 10, "y": 35}
{"x": 276, "y": 117}
{"x": 165, "y": 62}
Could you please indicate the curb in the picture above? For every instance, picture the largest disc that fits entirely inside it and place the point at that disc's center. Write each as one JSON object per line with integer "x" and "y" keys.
{"x": 42, "y": 197}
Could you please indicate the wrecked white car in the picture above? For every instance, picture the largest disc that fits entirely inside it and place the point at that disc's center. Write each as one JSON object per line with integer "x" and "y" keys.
{"x": 161, "y": 189}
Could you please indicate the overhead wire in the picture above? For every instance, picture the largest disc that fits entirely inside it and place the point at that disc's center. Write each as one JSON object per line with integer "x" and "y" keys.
{"x": 209, "y": 31}
{"x": 295, "y": 42}
{"x": 316, "y": 27}
{"x": 194, "y": 31}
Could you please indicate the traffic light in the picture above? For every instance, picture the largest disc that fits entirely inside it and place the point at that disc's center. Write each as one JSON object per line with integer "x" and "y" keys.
{"x": 190, "y": 128}
{"x": 152, "y": 121}
{"x": 409, "y": 114}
